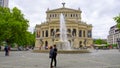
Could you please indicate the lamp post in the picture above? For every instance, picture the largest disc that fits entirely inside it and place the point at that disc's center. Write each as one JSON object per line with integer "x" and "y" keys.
{"x": 41, "y": 41}
{"x": 72, "y": 41}
{"x": 53, "y": 38}
{"x": 85, "y": 42}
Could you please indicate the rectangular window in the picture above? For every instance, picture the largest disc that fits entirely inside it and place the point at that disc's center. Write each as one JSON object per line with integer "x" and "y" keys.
{"x": 80, "y": 33}
{"x": 89, "y": 34}
{"x": 42, "y": 33}
{"x": 71, "y": 15}
{"x": 83, "y": 33}
{"x": 76, "y": 15}
{"x": 65, "y": 15}
{"x": 50, "y": 15}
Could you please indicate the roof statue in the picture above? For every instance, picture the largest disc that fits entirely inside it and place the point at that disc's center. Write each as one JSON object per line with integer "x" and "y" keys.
{"x": 63, "y": 4}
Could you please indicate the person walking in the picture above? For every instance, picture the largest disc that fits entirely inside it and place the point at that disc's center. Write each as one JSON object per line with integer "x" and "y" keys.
{"x": 53, "y": 55}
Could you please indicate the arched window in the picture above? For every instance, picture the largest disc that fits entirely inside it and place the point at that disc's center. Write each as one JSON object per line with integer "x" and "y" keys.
{"x": 68, "y": 30}
{"x": 65, "y": 15}
{"x": 50, "y": 15}
{"x": 74, "y": 32}
{"x": 84, "y": 33}
{"x": 42, "y": 33}
{"x": 46, "y": 44}
{"x": 89, "y": 34}
{"x": 80, "y": 33}
{"x": 53, "y": 15}
{"x": 52, "y": 32}
{"x": 71, "y": 15}
{"x": 46, "y": 33}
{"x": 80, "y": 44}
{"x": 76, "y": 15}
{"x": 57, "y": 30}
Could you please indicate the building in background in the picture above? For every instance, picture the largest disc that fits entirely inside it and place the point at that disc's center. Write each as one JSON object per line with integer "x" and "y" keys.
{"x": 79, "y": 32}
{"x": 114, "y": 34}
{"x": 4, "y": 3}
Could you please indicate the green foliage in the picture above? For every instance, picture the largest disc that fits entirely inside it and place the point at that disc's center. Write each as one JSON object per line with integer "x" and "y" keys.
{"x": 107, "y": 45}
{"x": 114, "y": 45}
{"x": 13, "y": 27}
{"x": 117, "y": 19}
{"x": 99, "y": 41}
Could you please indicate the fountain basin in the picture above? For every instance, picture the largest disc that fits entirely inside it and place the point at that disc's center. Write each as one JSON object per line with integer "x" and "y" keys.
{"x": 64, "y": 51}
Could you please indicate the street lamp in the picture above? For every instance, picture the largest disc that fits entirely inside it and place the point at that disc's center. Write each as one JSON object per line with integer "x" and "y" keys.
{"x": 85, "y": 42}
{"x": 73, "y": 41}
{"x": 41, "y": 40}
{"x": 53, "y": 38}
{"x": 73, "y": 38}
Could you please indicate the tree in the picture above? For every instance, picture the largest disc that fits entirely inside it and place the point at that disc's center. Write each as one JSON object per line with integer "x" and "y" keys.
{"x": 30, "y": 38}
{"x": 100, "y": 41}
{"x": 13, "y": 26}
{"x": 117, "y": 19}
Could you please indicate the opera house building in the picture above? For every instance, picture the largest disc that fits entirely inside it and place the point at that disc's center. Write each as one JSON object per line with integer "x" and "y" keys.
{"x": 79, "y": 33}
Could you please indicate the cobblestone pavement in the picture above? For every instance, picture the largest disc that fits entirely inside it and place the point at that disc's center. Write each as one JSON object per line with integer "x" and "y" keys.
{"x": 27, "y": 59}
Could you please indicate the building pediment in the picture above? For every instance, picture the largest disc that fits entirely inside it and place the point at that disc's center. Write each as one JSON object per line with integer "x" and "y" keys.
{"x": 61, "y": 10}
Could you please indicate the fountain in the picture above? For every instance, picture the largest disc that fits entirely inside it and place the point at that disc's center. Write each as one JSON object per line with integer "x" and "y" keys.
{"x": 63, "y": 42}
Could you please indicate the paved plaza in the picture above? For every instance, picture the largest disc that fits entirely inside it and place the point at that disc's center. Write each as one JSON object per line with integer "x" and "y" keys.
{"x": 28, "y": 59}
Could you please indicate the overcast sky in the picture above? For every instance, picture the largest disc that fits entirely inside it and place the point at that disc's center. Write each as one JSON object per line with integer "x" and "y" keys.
{"x": 99, "y": 13}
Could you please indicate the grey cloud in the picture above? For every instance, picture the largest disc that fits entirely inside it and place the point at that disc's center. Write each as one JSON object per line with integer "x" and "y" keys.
{"x": 99, "y": 13}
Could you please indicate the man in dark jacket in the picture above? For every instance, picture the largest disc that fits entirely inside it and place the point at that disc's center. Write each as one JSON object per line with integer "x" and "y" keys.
{"x": 53, "y": 54}
{"x": 6, "y": 50}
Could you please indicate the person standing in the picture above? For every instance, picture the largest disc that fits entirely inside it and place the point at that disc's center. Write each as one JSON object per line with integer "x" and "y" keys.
{"x": 0, "y": 47}
{"x": 53, "y": 55}
{"x": 6, "y": 50}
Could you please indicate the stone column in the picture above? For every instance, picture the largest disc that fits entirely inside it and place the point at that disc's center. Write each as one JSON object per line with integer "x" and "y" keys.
{"x": 41, "y": 33}
{"x": 71, "y": 30}
{"x": 77, "y": 32}
{"x": 36, "y": 33}
{"x": 49, "y": 32}
{"x": 82, "y": 33}
{"x": 44, "y": 33}
{"x": 85, "y": 33}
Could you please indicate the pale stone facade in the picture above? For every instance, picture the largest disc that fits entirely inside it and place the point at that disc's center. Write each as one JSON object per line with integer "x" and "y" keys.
{"x": 4, "y": 3}
{"x": 80, "y": 32}
{"x": 114, "y": 34}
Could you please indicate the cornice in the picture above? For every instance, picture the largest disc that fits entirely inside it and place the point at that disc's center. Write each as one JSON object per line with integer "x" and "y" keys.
{"x": 61, "y": 10}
